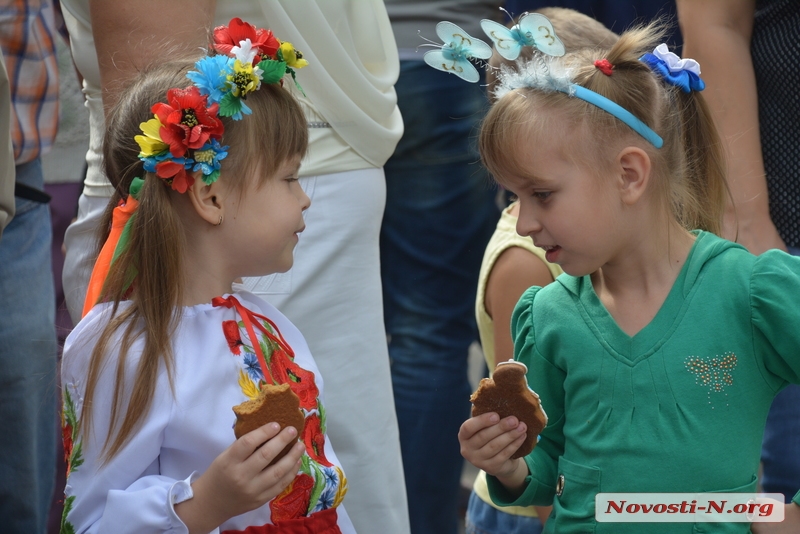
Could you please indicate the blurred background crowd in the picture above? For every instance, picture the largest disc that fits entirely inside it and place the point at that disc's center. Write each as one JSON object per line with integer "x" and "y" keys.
{"x": 421, "y": 202}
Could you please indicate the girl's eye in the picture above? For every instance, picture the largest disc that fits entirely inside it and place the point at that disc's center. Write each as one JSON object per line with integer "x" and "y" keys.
{"x": 542, "y": 195}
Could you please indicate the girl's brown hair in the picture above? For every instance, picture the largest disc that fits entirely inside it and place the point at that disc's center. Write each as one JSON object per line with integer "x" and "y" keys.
{"x": 689, "y": 169}
{"x": 274, "y": 132}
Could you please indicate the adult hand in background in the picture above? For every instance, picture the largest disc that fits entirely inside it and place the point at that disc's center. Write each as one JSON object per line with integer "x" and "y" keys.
{"x": 131, "y": 34}
{"x": 717, "y": 34}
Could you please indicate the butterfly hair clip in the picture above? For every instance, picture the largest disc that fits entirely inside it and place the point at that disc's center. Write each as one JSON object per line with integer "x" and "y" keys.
{"x": 532, "y": 29}
{"x": 459, "y": 47}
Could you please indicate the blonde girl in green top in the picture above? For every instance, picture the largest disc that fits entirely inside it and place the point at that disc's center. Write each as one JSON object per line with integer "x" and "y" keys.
{"x": 511, "y": 264}
{"x": 658, "y": 353}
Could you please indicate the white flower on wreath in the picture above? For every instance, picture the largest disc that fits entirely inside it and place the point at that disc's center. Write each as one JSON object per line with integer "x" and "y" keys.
{"x": 245, "y": 52}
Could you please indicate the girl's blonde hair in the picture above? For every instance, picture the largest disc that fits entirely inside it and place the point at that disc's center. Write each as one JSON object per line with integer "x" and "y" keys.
{"x": 689, "y": 169}
{"x": 275, "y": 132}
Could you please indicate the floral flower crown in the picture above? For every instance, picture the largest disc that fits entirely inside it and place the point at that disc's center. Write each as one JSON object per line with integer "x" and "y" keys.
{"x": 184, "y": 134}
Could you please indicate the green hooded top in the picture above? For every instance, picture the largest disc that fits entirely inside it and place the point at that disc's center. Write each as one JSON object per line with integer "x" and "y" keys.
{"x": 679, "y": 407}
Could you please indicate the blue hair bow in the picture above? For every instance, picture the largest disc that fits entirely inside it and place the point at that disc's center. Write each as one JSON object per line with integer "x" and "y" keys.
{"x": 682, "y": 73}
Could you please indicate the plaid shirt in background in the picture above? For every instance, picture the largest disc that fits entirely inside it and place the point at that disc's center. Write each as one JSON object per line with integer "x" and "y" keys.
{"x": 27, "y": 30}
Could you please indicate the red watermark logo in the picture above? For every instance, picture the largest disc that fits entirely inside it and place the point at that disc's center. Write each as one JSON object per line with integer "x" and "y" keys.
{"x": 689, "y": 507}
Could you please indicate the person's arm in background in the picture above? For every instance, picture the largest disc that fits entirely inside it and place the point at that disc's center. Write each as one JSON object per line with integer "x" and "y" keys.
{"x": 131, "y": 34}
{"x": 513, "y": 272}
{"x": 717, "y": 34}
{"x": 7, "y": 169}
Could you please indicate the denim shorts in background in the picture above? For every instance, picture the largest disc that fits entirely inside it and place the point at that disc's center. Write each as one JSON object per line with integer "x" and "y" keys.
{"x": 485, "y": 519}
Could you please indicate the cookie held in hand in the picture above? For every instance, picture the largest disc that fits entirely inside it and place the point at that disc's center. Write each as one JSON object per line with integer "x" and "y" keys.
{"x": 507, "y": 393}
{"x": 274, "y": 404}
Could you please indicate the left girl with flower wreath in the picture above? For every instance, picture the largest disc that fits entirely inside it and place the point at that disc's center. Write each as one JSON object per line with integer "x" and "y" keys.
{"x": 152, "y": 371}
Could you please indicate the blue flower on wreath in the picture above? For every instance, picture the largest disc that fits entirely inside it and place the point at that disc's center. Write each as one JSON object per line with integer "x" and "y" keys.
{"x": 207, "y": 159}
{"x": 252, "y": 367}
{"x": 151, "y": 161}
{"x": 211, "y": 77}
{"x": 682, "y": 73}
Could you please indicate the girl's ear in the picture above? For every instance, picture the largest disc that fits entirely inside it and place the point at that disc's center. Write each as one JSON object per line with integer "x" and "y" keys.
{"x": 634, "y": 167}
{"x": 207, "y": 200}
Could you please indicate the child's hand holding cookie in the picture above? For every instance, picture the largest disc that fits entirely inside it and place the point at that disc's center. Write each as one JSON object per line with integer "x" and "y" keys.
{"x": 507, "y": 419}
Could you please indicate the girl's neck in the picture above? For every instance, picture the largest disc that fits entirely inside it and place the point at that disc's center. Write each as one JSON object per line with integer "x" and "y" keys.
{"x": 195, "y": 296}
{"x": 205, "y": 271}
{"x": 634, "y": 286}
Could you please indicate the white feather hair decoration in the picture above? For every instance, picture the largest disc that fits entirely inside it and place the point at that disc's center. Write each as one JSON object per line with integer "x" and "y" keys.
{"x": 546, "y": 73}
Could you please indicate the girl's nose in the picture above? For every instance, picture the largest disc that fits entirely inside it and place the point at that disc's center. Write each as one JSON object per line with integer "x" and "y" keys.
{"x": 528, "y": 223}
{"x": 305, "y": 201}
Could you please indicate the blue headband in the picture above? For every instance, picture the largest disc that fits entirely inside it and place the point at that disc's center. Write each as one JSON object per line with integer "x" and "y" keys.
{"x": 616, "y": 110}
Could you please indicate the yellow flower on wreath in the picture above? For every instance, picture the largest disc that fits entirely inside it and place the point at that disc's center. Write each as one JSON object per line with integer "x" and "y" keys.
{"x": 244, "y": 79}
{"x": 292, "y": 57}
{"x": 150, "y": 143}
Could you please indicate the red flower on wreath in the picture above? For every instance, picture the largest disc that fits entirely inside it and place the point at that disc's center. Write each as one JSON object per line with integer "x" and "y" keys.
{"x": 301, "y": 381}
{"x": 176, "y": 173}
{"x": 188, "y": 122}
{"x": 232, "y": 336}
{"x": 226, "y": 37}
{"x": 294, "y": 500}
{"x": 314, "y": 440}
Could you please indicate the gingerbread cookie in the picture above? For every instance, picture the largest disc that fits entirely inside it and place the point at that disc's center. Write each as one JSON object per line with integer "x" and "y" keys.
{"x": 507, "y": 393}
{"x": 278, "y": 404}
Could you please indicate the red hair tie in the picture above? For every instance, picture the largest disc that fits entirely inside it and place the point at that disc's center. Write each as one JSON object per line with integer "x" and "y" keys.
{"x": 604, "y": 66}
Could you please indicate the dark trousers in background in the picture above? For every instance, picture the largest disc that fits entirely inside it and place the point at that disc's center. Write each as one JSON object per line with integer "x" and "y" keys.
{"x": 440, "y": 214}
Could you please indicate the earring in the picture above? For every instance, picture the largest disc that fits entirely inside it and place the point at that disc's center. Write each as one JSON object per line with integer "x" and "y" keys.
{"x": 220, "y": 221}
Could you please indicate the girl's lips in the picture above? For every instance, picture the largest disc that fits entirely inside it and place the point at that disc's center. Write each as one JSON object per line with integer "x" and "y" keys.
{"x": 551, "y": 253}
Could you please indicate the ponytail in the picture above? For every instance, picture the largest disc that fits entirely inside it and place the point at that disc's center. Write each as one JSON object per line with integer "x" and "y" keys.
{"x": 153, "y": 258}
{"x": 703, "y": 204}
{"x": 691, "y": 163}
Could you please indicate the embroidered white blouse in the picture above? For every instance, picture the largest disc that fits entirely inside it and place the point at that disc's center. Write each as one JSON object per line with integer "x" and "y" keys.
{"x": 216, "y": 367}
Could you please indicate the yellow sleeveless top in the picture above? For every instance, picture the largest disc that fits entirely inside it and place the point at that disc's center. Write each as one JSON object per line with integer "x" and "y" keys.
{"x": 505, "y": 236}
